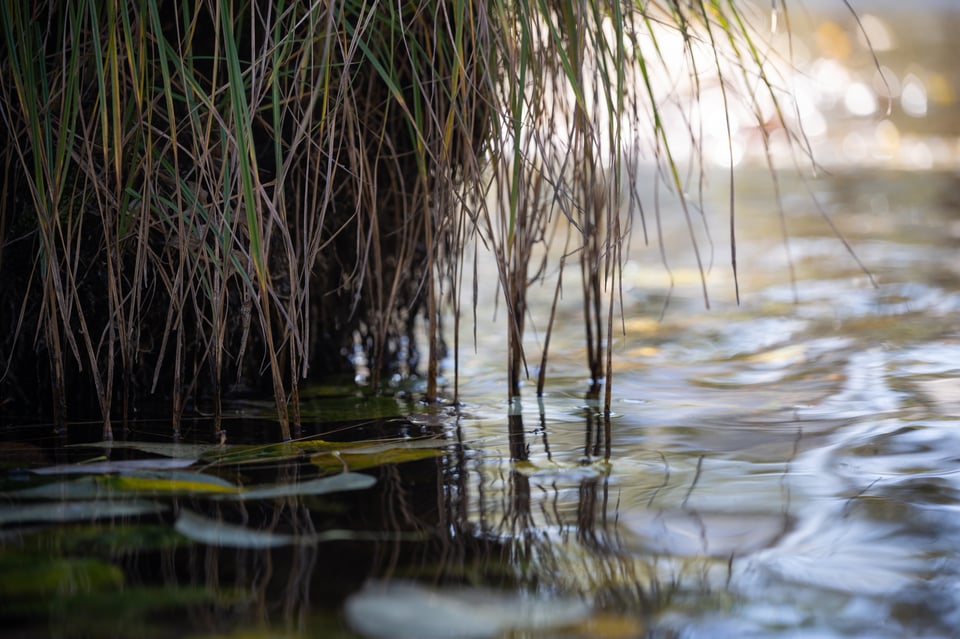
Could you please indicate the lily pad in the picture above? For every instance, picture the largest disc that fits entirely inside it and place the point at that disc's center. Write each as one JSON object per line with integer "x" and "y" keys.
{"x": 400, "y": 610}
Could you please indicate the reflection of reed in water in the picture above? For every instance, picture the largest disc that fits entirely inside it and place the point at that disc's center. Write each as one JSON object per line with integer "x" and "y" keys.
{"x": 550, "y": 529}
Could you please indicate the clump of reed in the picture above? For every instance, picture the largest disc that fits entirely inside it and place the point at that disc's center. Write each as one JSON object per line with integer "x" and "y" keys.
{"x": 199, "y": 196}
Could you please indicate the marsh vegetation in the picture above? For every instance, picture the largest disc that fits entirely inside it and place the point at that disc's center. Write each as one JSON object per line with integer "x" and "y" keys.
{"x": 215, "y": 198}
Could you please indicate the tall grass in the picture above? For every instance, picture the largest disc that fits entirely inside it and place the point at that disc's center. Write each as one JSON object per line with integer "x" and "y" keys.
{"x": 199, "y": 195}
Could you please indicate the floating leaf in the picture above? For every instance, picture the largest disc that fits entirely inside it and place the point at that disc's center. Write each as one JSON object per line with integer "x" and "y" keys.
{"x": 310, "y": 447}
{"x": 566, "y": 471}
{"x": 194, "y": 484}
{"x": 132, "y": 484}
{"x": 82, "y": 488}
{"x": 214, "y": 532}
{"x": 172, "y": 449}
{"x": 219, "y": 533}
{"x": 185, "y": 483}
{"x": 319, "y": 486}
{"x": 77, "y": 511}
{"x": 398, "y": 610}
{"x": 104, "y": 467}
{"x": 248, "y": 454}
{"x": 371, "y": 456}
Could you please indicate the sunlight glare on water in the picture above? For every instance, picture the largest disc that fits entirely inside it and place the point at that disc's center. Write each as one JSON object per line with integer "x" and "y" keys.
{"x": 799, "y": 458}
{"x": 788, "y": 466}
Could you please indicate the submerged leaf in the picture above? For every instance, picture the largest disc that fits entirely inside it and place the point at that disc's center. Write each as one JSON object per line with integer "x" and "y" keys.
{"x": 106, "y": 539}
{"x": 29, "y": 577}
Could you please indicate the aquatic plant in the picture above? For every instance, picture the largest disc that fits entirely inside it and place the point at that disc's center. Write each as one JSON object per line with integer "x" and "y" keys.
{"x": 199, "y": 196}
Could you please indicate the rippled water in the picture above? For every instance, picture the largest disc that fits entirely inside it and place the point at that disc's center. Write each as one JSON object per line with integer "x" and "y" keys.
{"x": 788, "y": 467}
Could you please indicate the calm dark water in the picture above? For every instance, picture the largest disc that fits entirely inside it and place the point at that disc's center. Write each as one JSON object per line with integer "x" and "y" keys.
{"x": 783, "y": 467}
